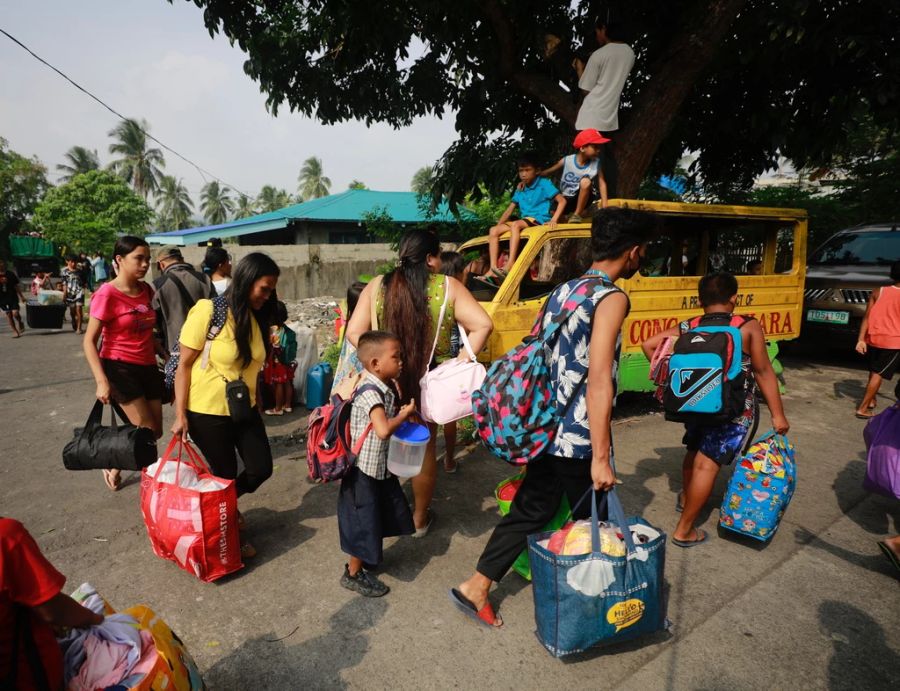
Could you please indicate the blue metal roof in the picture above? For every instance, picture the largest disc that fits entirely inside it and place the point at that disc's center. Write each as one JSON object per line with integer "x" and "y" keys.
{"x": 349, "y": 206}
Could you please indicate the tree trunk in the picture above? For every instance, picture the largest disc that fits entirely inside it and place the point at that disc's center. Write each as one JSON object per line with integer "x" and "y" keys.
{"x": 692, "y": 49}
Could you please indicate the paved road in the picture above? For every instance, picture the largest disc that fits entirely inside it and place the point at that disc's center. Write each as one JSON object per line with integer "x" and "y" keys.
{"x": 817, "y": 608}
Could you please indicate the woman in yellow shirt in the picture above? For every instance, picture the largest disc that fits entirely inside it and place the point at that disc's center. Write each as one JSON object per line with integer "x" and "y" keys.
{"x": 238, "y": 351}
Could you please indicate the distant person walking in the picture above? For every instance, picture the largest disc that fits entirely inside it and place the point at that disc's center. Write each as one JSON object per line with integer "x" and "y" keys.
{"x": 10, "y": 297}
{"x": 602, "y": 79}
{"x": 73, "y": 286}
{"x": 408, "y": 303}
{"x": 98, "y": 266}
{"x": 879, "y": 339}
{"x": 178, "y": 288}
{"x": 124, "y": 366}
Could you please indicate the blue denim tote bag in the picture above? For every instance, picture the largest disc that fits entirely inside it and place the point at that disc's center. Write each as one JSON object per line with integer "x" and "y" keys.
{"x": 582, "y": 601}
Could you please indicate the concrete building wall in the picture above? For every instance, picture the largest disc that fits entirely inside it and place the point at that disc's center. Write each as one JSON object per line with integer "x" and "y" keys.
{"x": 311, "y": 270}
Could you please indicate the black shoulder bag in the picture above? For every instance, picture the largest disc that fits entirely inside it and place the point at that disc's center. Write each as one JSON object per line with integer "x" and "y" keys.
{"x": 95, "y": 447}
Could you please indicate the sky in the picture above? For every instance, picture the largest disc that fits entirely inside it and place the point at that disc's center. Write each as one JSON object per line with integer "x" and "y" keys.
{"x": 155, "y": 60}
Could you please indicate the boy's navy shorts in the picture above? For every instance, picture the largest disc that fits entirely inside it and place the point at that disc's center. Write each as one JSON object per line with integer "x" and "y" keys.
{"x": 722, "y": 443}
{"x": 370, "y": 510}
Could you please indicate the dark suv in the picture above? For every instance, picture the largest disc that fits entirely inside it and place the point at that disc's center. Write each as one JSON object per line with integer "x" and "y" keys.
{"x": 840, "y": 276}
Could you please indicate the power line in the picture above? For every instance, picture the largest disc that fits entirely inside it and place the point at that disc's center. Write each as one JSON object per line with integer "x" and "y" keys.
{"x": 203, "y": 173}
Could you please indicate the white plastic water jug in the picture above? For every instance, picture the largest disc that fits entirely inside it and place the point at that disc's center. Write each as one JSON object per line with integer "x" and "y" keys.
{"x": 407, "y": 449}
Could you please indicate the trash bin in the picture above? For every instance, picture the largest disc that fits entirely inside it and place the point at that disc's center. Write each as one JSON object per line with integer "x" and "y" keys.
{"x": 44, "y": 316}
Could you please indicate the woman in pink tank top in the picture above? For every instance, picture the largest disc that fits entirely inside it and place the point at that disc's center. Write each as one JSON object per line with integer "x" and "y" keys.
{"x": 879, "y": 339}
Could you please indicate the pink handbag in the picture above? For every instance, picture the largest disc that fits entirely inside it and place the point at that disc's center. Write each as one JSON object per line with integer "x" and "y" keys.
{"x": 447, "y": 389}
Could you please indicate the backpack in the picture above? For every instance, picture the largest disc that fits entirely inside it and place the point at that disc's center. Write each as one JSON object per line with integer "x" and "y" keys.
{"x": 329, "y": 452}
{"x": 515, "y": 411}
{"x": 705, "y": 384}
{"x": 216, "y": 324}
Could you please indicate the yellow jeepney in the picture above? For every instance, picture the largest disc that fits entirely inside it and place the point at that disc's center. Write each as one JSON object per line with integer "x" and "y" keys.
{"x": 765, "y": 248}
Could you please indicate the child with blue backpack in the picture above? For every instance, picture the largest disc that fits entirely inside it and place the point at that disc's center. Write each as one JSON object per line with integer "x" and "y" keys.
{"x": 710, "y": 441}
{"x": 371, "y": 504}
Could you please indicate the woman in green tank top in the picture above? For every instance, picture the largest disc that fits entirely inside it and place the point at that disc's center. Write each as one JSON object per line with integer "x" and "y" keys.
{"x": 408, "y": 303}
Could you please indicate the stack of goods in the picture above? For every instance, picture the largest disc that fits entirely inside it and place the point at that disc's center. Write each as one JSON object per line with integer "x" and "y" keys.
{"x": 575, "y": 538}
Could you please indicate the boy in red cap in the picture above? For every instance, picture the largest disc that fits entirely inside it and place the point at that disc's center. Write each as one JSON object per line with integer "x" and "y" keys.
{"x": 578, "y": 172}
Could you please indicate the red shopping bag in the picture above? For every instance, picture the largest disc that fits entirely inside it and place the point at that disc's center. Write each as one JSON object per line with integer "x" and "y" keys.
{"x": 190, "y": 514}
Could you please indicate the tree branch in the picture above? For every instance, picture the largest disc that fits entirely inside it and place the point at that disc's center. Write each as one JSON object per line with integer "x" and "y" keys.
{"x": 674, "y": 76}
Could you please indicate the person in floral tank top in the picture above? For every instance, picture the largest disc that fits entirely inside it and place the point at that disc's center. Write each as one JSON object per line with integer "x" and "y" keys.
{"x": 584, "y": 362}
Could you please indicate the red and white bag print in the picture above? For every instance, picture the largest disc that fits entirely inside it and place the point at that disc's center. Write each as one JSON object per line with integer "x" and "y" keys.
{"x": 190, "y": 514}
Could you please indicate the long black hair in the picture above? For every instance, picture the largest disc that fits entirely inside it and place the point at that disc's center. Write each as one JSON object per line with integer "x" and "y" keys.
{"x": 248, "y": 271}
{"x": 406, "y": 309}
{"x": 215, "y": 257}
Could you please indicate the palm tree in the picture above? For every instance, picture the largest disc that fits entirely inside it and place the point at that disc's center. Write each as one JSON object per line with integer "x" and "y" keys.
{"x": 357, "y": 185}
{"x": 422, "y": 180}
{"x": 272, "y": 199}
{"x": 245, "y": 206}
{"x": 174, "y": 203}
{"x": 138, "y": 164}
{"x": 78, "y": 160}
{"x": 313, "y": 183}
{"x": 216, "y": 203}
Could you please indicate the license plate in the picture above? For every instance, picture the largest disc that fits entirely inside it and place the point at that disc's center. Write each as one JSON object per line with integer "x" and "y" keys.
{"x": 828, "y": 316}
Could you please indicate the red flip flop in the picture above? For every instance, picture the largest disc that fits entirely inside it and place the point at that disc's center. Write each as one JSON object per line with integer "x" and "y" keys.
{"x": 484, "y": 616}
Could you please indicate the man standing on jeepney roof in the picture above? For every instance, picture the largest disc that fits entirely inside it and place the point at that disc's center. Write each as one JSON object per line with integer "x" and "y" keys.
{"x": 601, "y": 80}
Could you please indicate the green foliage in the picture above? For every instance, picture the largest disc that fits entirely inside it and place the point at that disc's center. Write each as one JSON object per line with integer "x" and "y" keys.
{"x": 139, "y": 163}
{"x": 87, "y": 213}
{"x": 23, "y": 182}
{"x": 778, "y": 77}
{"x": 422, "y": 181}
{"x": 271, "y": 199}
{"x": 332, "y": 354}
{"x": 357, "y": 185}
{"x": 244, "y": 207}
{"x": 313, "y": 183}
{"x": 79, "y": 159}
{"x": 175, "y": 206}
{"x": 216, "y": 203}
{"x": 380, "y": 224}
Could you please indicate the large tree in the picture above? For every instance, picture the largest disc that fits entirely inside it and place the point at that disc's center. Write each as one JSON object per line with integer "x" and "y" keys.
{"x": 79, "y": 159}
{"x": 23, "y": 182}
{"x": 738, "y": 81}
{"x": 422, "y": 180}
{"x": 174, "y": 204}
{"x": 138, "y": 163}
{"x": 312, "y": 180}
{"x": 88, "y": 212}
{"x": 216, "y": 203}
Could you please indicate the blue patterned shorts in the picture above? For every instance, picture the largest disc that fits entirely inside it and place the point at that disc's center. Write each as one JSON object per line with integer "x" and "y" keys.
{"x": 721, "y": 443}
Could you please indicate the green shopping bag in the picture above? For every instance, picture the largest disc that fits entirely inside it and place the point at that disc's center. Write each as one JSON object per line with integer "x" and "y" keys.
{"x": 505, "y": 493}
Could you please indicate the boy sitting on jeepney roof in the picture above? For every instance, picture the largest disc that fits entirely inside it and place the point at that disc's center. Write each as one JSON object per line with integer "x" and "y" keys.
{"x": 579, "y": 170}
{"x": 533, "y": 202}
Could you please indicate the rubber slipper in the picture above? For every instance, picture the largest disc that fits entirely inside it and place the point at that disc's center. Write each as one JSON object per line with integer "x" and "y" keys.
{"x": 484, "y": 616}
{"x": 422, "y": 532}
{"x": 692, "y": 543}
{"x": 451, "y": 469}
{"x": 486, "y": 280}
{"x": 679, "y": 502}
{"x": 889, "y": 553}
{"x": 864, "y": 416}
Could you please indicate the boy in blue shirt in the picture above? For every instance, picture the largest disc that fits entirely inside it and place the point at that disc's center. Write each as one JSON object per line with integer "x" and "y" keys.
{"x": 533, "y": 198}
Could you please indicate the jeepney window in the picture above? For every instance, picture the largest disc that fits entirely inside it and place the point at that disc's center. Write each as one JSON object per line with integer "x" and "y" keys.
{"x": 478, "y": 263}
{"x": 560, "y": 260}
{"x": 697, "y": 246}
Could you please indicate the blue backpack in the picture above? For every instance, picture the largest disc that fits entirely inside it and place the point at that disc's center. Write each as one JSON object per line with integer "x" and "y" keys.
{"x": 705, "y": 384}
{"x": 219, "y": 317}
{"x": 515, "y": 411}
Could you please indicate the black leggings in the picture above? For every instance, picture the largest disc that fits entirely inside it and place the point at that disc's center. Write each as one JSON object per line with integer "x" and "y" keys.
{"x": 535, "y": 503}
{"x": 220, "y": 440}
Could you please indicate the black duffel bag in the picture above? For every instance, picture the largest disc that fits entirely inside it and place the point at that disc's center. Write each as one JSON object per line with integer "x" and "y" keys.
{"x": 124, "y": 446}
